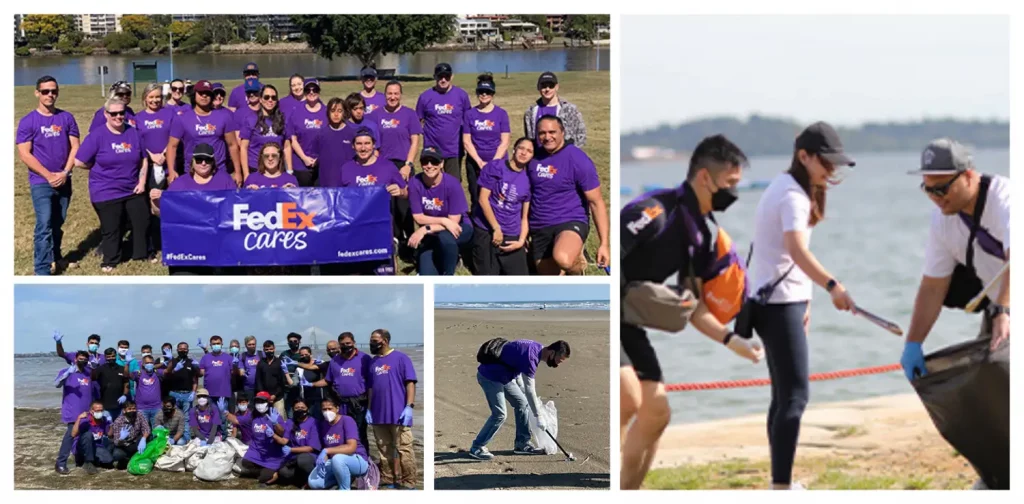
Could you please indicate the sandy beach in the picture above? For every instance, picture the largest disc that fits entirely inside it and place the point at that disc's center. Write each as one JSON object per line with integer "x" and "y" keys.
{"x": 579, "y": 388}
{"x": 37, "y": 437}
{"x": 878, "y": 443}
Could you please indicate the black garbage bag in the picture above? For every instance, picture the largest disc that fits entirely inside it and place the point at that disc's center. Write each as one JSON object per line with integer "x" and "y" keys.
{"x": 967, "y": 395}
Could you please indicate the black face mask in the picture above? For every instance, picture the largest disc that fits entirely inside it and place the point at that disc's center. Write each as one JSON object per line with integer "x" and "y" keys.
{"x": 82, "y": 364}
{"x": 112, "y": 363}
{"x": 268, "y": 355}
{"x": 300, "y": 414}
{"x": 293, "y": 346}
{"x": 552, "y": 362}
{"x": 375, "y": 347}
{"x": 332, "y": 354}
{"x": 131, "y": 416}
{"x": 168, "y": 411}
{"x": 305, "y": 360}
{"x": 347, "y": 349}
{"x": 723, "y": 198}
{"x": 183, "y": 355}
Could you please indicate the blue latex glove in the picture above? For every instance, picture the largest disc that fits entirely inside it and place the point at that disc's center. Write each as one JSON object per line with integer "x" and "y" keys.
{"x": 142, "y": 445}
{"x": 202, "y": 443}
{"x": 125, "y": 431}
{"x": 913, "y": 360}
{"x": 270, "y": 431}
{"x": 200, "y": 344}
{"x": 369, "y": 418}
{"x": 63, "y": 375}
{"x": 274, "y": 415}
{"x": 179, "y": 367}
{"x": 106, "y": 415}
{"x": 192, "y": 396}
{"x": 57, "y": 336}
{"x": 286, "y": 450}
{"x": 287, "y": 361}
{"x": 406, "y": 417}
{"x": 168, "y": 355}
{"x": 181, "y": 442}
{"x": 122, "y": 399}
{"x": 128, "y": 357}
{"x": 321, "y": 459}
{"x": 222, "y": 404}
{"x": 303, "y": 381}
{"x": 235, "y": 361}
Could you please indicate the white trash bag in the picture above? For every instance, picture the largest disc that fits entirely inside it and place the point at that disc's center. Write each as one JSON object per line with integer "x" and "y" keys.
{"x": 195, "y": 454}
{"x": 173, "y": 460}
{"x": 216, "y": 464}
{"x": 541, "y": 438}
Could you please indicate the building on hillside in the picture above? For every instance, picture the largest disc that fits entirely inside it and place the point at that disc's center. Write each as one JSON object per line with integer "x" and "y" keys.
{"x": 98, "y": 25}
{"x": 476, "y": 29}
{"x": 519, "y": 28}
{"x": 280, "y": 25}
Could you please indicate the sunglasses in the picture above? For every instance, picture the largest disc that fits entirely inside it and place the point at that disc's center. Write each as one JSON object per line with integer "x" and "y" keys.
{"x": 940, "y": 190}
{"x": 444, "y": 76}
{"x": 271, "y": 156}
{"x": 205, "y": 94}
{"x": 123, "y": 95}
{"x": 485, "y": 92}
{"x": 177, "y": 89}
{"x": 117, "y": 114}
{"x": 202, "y": 160}
{"x": 252, "y": 93}
{"x": 251, "y": 73}
{"x": 312, "y": 90}
{"x": 429, "y": 162}
{"x": 48, "y": 92}
{"x": 270, "y": 97}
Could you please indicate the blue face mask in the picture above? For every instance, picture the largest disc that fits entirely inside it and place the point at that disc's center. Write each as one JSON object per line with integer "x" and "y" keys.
{"x": 234, "y": 350}
{"x": 94, "y": 347}
{"x": 215, "y": 348}
{"x": 149, "y": 367}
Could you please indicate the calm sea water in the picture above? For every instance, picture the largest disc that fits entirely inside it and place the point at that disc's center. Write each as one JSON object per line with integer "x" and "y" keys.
{"x": 83, "y": 69}
{"x": 873, "y": 241}
{"x": 34, "y": 380}
{"x": 526, "y": 305}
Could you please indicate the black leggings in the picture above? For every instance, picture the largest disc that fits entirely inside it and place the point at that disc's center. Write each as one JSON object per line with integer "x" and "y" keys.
{"x": 401, "y": 214}
{"x": 472, "y": 175}
{"x": 296, "y": 471}
{"x": 261, "y": 473}
{"x": 111, "y": 214}
{"x": 781, "y": 328}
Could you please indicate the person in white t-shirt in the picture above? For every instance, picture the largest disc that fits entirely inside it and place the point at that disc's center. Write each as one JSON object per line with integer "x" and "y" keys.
{"x": 783, "y": 273}
{"x": 952, "y": 183}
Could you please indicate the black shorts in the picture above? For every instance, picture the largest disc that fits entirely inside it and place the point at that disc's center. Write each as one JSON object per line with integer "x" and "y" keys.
{"x": 488, "y": 260}
{"x": 639, "y": 352}
{"x": 542, "y": 240}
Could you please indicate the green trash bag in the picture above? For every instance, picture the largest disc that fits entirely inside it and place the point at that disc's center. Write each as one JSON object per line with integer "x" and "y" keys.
{"x": 142, "y": 463}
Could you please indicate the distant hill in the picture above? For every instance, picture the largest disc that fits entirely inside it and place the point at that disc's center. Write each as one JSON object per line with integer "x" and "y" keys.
{"x": 759, "y": 136}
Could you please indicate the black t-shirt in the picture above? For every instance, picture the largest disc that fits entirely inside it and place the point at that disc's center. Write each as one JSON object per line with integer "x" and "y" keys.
{"x": 181, "y": 381}
{"x": 315, "y": 393}
{"x": 111, "y": 380}
{"x": 270, "y": 378}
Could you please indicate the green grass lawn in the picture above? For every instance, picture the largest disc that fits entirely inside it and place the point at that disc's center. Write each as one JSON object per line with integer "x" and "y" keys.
{"x": 590, "y": 91}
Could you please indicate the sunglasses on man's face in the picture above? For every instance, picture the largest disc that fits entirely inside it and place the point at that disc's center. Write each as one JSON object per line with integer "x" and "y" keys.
{"x": 445, "y": 76}
{"x": 940, "y": 190}
{"x": 251, "y": 73}
{"x": 47, "y": 92}
{"x": 120, "y": 113}
{"x": 429, "y": 162}
{"x": 547, "y": 85}
{"x": 202, "y": 160}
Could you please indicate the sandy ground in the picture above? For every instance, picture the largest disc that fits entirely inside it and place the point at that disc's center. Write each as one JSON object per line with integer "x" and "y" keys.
{"x": 579, "y": 388}
{"x": 883, "y": 442}
{"x": 37, "y": 437}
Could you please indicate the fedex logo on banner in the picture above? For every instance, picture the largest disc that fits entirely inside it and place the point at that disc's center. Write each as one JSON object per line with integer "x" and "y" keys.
{"x": 444, "y": 109}
{"x": 284, "y": 226}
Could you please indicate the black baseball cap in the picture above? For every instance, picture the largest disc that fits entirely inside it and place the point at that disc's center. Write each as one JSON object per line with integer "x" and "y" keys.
{"x": 442, "y": 69}
{"x": 368, "y": 72}
{"x": 547, "y": 77}
{"x": 944, "y": 156}
{"x": 432, "y": 154}
{"x": 485, "y": 86}
{"x": 251, "y": 67}
{"x": 821, "y": 138}
{"x": 202, "y": 149}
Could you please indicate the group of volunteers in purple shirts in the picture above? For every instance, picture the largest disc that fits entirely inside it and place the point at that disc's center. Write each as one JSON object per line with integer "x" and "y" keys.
{"x": 538, "y": 199}
{"x": 304, "y": 420}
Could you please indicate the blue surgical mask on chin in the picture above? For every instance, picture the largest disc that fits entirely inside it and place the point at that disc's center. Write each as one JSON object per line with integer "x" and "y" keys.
{"x": 94, "y": 347}
{"x": 215, "y": 348}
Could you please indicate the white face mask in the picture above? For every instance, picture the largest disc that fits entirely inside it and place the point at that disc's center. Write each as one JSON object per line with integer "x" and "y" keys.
{"x": 243, "y": 407}
{"x": 262, "y": 408}
{"x": 122, "y": 351}
{"x": 202, "y": 401}
{"x": 330, "y": 416}
{"x": 97, "y": 415}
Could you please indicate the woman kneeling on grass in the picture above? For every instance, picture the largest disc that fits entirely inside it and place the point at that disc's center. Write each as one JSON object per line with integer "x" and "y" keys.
{"x": 439, "y": 207}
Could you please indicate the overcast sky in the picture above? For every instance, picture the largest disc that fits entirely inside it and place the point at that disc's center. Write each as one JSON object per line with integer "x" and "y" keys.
{"x": 157, "y": 313}
{"x": 502, "y": 293}
{"x": 843, "y": 69}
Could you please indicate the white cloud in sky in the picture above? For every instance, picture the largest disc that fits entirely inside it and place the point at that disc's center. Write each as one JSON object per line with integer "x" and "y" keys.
{"x": 190, "y": 322}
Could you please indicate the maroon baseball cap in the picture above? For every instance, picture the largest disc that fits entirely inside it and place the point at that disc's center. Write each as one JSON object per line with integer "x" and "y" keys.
{"x": 203, "y": 86}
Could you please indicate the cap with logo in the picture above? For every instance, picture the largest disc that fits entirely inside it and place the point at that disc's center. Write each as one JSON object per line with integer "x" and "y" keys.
{"x": 442, "y": 69}
{"x": 202, "y": 392}
{"x": 202, "y": 149}
{"x": 369, "y": 72}
{"x": 311, "y": 83}
{"x": 203, "y": 86}
{"x": 821, "y": 138}
{"x": 251, "y": 67}
{"x": 432, "y": 154}
{"x": 485, "y": 86}
{"x": 547, "y": 78}
{"x": 944, "y": 156}
{"x": 253, "y": 86}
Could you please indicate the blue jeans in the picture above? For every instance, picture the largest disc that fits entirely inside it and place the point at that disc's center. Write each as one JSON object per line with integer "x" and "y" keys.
{"x": 150, "y": 416}
{"x": 339, "y": 470}
{"x": 496, "y": 394}
{"x": 65, "y": 446}
{"x": 438, "y": 254}
{"x": 90, "y": 453}
{"x": 51, "y": 207}
{"x": 181, "y": 401}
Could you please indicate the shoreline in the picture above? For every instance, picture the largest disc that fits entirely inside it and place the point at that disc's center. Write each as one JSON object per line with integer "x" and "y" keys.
{"x": 879, "y": 442}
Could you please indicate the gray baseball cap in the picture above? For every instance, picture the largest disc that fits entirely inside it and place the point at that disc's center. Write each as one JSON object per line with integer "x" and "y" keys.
{"x": 944, "y": 156}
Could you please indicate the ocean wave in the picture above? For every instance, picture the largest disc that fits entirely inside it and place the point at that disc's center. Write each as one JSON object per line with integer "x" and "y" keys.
{"x": 556, "y": 305}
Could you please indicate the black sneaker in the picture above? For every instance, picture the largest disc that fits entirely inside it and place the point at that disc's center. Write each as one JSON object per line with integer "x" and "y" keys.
{"x": 90, "y": 469}
{"x": 62, "y": 470}
{"x": 528, "y": 450}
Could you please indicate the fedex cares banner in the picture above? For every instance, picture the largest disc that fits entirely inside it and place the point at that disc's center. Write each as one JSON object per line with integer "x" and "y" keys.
{"x": 276, "y": 227}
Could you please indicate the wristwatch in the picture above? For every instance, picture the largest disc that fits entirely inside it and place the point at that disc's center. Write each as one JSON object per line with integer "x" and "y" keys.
{"x": 832, "y": 283}
{"x": 994, "y": 310}
{"x": 427, "y": 227}
{"x": 413, "y": 405}
{"x": 409, "y": 164}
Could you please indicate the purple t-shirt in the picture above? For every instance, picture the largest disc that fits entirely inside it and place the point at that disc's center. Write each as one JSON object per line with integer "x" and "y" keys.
{"x": 217, "y": 369}
{"x": 250, "y": 131}
{"x": 348, "y": 377}
{"x": 290, "y": 103}
{"x": 544, "y": 111}
{"x": 205, "y": 420}
{"x": 95, "y": 359}
{"x": 517, "y": 357}
{"x": 379, "y": 174}
{"x": 178, "y": 109}
{"x": 99, "y": 119}
{"x": 155, "y": 128}
{"x": 442, "y": 118}
{"x": 237, "y": 98}
{"x": 343, "y": 430}
{"x": 50, "y": 137}
{"x": 219, "y": 182}
{"x": 249, "y": 363}
{"x": 485, "y": 130}
{"x": 261, "y": 180}
{"x": 335, "y": 152}
{"x": 263, "y": 451}
{"x": 509, "y": 190}
{"x": 442, "y": 200}
{"x": 306, "y": 127}
{"x": 211, "y": 129}
{"x": 388, "y": 375}
{"x": 306, "y": 435}
{"x": 116, "y": 160}
{"x": 396, "y": 131}
{"x": 375, "y": 103}
{"x": 243, "y": 116}
{"x": 77, "y": 396}
{"x": 147, "y": 389}
{"x": 558, "y": 182}
{"x": 97, "y": 428}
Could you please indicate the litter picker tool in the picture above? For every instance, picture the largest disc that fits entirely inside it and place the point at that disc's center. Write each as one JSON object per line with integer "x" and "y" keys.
{"x": 973, "y": 305}
{"x": 568, "y": 456}
{"x": 878, "y": 321}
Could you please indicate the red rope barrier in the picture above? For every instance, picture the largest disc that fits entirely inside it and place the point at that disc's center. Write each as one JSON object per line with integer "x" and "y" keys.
{"x": 760, "y": 382}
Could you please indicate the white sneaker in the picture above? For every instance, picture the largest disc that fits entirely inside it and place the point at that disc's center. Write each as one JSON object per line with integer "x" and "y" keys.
{"x": 795, "y": 485}
{"x": 481, "y": 453}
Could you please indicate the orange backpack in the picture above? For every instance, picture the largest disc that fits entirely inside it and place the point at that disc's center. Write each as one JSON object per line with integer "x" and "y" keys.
{"x": 724, "y": 287}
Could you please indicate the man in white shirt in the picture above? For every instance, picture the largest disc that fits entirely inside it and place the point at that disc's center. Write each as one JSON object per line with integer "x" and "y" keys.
{"x": 955, "y": 270}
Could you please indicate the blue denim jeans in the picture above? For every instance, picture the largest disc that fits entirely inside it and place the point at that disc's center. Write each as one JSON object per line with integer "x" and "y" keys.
{"x": 496, "y": 394}
{"x": 338, "y": 470}
{"x": 65, "y": 446}
{"x": 150, "y": 416}
{"x": 51, "y": 207}
{"x": 182, "y": 402}
{"x": 438, "y": 254}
